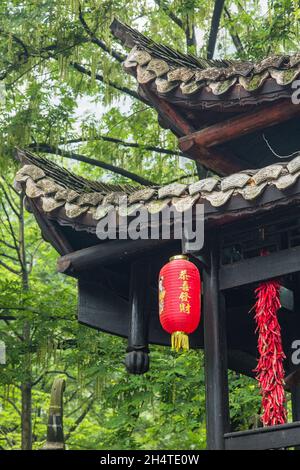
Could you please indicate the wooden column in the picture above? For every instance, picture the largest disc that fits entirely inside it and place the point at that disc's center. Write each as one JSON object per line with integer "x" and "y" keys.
{"x": 295, "y": 395}
{"x": 215, "y": 352}
{"x": 295, "y": 380}
{"x": 137, "y": 358}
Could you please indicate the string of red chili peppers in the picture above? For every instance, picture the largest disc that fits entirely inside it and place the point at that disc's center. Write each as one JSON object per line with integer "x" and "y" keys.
{"x": 269, "y": 370}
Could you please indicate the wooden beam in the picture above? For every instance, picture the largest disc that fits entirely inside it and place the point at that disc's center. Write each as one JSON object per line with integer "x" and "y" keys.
{"x": 259, "y": 268}
{"x": 105, "y": 254}
{"x": 177, "y": 123}
{"x": 241, "y": 125}
{"x": 51, "y": 231}
{"x": 272, "y": 437}
{"x": 215, "y": 355}
{"x": 293, "y": 381}
{"x": 223, "y": 163}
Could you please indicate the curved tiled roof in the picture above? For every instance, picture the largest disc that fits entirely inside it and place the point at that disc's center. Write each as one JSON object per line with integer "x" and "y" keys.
{"x": 58, "y": 191}
{"x": 172, "y": 71}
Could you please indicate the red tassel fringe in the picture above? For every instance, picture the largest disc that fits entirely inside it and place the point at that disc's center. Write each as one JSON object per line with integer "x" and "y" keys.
{"x": 269, "y": 370}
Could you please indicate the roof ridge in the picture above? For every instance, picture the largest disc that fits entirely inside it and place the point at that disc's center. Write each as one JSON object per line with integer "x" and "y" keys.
{"x": 67, "y": 178}
{"x": 168, "y": 72}
{"x": 167, "y": 53}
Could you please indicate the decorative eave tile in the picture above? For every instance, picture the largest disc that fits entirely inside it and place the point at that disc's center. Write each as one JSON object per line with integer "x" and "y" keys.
{"x": 154, "y": 207}
{"x": 238, "y": 180}
{"x": 173, "y": 189}
{"x": 268, "y": 173}
{"x": 48, "y": 186}
{"x": 294, "y": 165}
{"x": 185, "y": 203}
{"x": 144, "y": 75}
{"x": 221, "y": 87}
{"x": 72, "y": 195}
{"x": 21, "y": 178}
{"x": 73, "y": 210}
{"x": 181, "y": 74}
{"x": 286, "y": 181}
{"x": 127, "y": 211}
{"x": 32, "y": 189}
{"x": 253, "y": 82}
{"x": 137, "y": 57}
{"x": 33, "y": 171}
{"x": 62, "y": 195}
{"x": 218, "y": 198}
{"x": 273, "y": 61}
{"x": 251, "y": 192}
{"x": 192, "y": 87}
{"x": 90, "y": 199}
{"x": 158, "y": 66}
{"x": 206, "y": 185}
{"x": 165, "y": 86}
{"x": 285, "y": 77}
{"x": 141, "y": 195}
{"x": 49, "y": 204}
{"x": 102, "y": 211}
{"x": 115, "y": 197}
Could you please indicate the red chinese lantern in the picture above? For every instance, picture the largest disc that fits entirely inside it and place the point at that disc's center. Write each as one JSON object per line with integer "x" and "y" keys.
{"x": 179, "y": 300}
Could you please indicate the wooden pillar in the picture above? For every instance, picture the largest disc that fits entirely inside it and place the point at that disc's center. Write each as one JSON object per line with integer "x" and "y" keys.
{"x": 295, "y": 396}
{"x": 137, "y": 358}
{"x": 215, "y": 352}
{"x": 295, "y": 383}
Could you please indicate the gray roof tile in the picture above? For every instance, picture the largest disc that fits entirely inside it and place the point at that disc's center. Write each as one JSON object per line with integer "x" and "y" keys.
{"x": 249, "y": 185}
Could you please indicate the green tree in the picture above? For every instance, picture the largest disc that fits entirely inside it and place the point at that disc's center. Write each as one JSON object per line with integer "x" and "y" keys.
{"x": 63, "y": 93}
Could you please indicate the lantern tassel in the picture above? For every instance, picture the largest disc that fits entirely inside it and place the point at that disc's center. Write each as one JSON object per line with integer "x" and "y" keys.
{"x": 269, "y": 370}
{"x": 180, "y": 340}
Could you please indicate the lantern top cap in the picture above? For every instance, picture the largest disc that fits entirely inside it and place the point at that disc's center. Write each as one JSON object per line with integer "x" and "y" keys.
{"x": 179, "y": 257}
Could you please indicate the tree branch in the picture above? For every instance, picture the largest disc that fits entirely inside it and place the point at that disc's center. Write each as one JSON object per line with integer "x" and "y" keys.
{"x": 234, "y": 35}
{"x": 11, "y": 402}
{"x": 48, "y": 372}
{"x": 91, "y": 161}
{"x": 80, "y": 418}
{"x": 18, "y": 41}
{"x": 80, "y": 68}
{"x": 170, "y": 14}
{"x": 182, "y": 177}
{"x": 13, "y": 208}
{"x": 12, "y": 258}
{"x": 8, "y": 245}
{"x": 15, "y": 241}
{"x": 9, "y": 268}
{"x": 124, "y": 143}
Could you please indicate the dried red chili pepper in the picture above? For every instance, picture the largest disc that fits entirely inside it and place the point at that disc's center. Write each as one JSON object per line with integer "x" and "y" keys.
{"x": 269, "y": 370}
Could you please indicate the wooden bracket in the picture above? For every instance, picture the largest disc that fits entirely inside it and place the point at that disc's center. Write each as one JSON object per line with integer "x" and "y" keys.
{"x": 223, "y": 164}
{"x": 238, "y": 126}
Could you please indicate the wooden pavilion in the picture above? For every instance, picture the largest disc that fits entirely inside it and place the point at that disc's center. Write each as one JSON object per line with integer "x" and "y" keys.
{"x": 219, "y": 110}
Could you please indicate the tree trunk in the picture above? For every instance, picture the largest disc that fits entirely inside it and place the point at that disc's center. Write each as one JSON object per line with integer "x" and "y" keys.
{"x": 26, "y": 416}
{"x": 26, "y": 397}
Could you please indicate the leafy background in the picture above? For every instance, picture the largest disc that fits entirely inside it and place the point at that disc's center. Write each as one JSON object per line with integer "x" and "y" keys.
{"x": 63, "y": 93}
